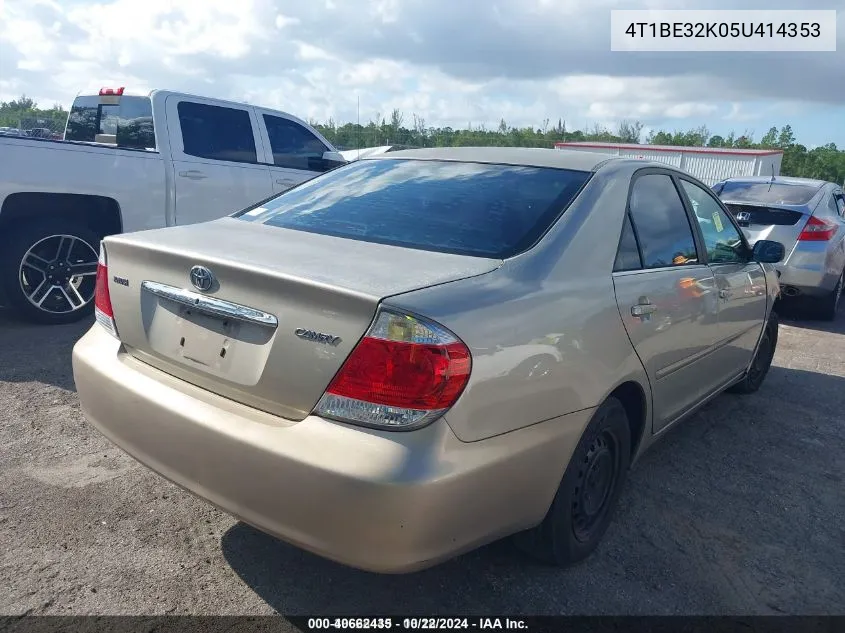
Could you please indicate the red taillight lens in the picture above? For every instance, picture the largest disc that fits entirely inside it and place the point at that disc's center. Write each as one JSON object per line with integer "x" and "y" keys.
{"x": 405, "y": 372}
{"x": 111, "y": 91}
{"x": 405, "y": 375}
{"x": 102, "y": 300}
{"x": 817, "y": 230}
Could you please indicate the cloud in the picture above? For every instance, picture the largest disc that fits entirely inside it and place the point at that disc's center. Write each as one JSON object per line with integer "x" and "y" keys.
{"x": 452, "y": 62}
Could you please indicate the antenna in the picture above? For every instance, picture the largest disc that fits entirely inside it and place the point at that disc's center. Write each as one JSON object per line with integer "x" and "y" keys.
{"x": 358, "y": 131}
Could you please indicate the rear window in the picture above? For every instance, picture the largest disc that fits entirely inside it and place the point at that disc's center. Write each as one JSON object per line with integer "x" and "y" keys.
{"x": 451, "y": 207}
{"x": 131, "y": 121}
{"x": 767, "y": 193}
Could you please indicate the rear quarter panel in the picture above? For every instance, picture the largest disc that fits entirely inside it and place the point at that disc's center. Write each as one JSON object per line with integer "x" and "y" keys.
{"x": 544, "y": 329}
{"x": 135, "y": 179}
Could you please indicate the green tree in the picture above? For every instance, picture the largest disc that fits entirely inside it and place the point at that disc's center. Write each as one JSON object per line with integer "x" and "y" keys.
{"x": 770, "y": 138}
{"x": 786, "y": 137}
{"x": 629, "y": 131}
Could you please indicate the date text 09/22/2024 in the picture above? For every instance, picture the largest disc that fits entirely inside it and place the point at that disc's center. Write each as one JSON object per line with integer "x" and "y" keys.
{"x": 416, "y": 624}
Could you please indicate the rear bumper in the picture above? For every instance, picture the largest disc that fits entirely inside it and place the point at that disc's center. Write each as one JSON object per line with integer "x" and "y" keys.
{"x": 811, "y": 269}
{"x": 381, "y": 501}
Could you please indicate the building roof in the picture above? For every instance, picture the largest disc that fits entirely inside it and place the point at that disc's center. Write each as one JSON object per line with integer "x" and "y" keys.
{"x": 670, "y": 148}
{"x": 528, "y": 156}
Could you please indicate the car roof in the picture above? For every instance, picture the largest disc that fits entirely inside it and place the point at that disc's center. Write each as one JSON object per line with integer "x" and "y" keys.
{"x": 521, "y": 156}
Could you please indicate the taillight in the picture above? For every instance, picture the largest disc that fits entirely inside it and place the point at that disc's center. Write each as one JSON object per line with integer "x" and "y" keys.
{"x": 116, "y": 92}
{"x": 817, "y": 230}
{"x": 406, "y": 372}
{"x": 102, "y": 300}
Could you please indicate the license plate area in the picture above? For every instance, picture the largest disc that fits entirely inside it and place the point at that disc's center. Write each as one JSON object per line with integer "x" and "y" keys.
{"x": 199, "y": 344}
{"x": 205, "y": 339}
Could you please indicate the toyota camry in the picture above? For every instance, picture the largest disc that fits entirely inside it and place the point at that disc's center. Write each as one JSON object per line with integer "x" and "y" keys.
{"x": 427, "y": 350}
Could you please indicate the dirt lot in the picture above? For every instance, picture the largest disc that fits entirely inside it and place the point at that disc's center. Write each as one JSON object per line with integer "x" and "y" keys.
{"x": 741, "y": 510}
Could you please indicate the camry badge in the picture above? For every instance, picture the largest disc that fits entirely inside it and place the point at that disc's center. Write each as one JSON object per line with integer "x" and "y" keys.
{"x": 317, "y": 337}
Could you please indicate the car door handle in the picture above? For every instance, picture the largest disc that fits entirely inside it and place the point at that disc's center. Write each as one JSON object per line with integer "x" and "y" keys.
{"x": 282, "y": 181}
{"x": 193, "y": 174}
{"x": 643, "y": 309}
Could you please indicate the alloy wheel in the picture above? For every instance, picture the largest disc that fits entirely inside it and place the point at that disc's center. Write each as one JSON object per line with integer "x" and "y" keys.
{"x": 58, "y": 274}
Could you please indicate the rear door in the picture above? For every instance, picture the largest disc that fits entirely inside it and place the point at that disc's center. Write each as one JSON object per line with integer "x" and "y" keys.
{"x": 667, "y": 297}
{"x": 217, "y": 156}
{"x": 295, "y": 152}
{"x": 740, "y": 282}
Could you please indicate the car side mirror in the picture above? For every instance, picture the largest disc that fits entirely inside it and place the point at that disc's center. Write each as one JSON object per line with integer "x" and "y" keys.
{"x": 767, "y": 252}
{"x": 333, "y": 159}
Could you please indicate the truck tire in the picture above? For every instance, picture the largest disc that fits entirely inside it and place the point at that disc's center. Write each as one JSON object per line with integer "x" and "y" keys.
{"x": 48, "y": 270}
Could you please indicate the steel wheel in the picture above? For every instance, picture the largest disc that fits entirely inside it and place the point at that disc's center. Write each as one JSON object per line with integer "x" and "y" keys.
{"x": 57, "y": 274}
{"x": 583, "y": 505}
{"x": 596, "y": 479}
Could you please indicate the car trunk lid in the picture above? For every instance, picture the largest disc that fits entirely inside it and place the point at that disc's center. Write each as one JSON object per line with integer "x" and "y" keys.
{"x": 779, "y": 223}
{"x": 284, "y": 310}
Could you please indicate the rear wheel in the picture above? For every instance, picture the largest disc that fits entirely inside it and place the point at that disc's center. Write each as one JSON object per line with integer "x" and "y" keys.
{"x": 587, "y": 495}
{"x": 756, "y": 374}
{"x": 828, "y": 305}
{"x": 48, "y": 271}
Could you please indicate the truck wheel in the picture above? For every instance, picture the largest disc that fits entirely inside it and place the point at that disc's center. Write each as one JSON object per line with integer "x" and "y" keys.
{"x": 587, "y": 495}
{"x": 753, "y": 380}
{"x": 48, "y": 270}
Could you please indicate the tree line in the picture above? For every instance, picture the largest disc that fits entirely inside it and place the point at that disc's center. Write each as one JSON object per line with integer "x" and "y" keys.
{"x": 25, "y": 114}
{"x": 826, "y": 162}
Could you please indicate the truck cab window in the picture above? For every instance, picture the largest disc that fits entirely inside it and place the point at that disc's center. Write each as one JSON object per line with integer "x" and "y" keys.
{"x": 131, "y": 120}
{"x": 217, "y": 132}
{"x": 294, "y": 146}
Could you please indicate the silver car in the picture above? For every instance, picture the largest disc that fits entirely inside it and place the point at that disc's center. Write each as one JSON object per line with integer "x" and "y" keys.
{"x": 424, "y": 351}
{"x": 808, "y": 218}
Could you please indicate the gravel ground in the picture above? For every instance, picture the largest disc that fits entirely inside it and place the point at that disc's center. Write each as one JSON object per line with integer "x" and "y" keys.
{"x": 740, "y": 510}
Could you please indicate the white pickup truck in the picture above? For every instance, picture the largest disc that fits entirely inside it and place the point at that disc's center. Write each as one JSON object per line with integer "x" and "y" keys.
{"x": 129, "y": 163}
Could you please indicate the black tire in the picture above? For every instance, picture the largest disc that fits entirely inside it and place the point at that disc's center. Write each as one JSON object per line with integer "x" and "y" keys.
{"x": 827, "y": 306}
{"x": 755, "y": 376}
{"x": 74, "y": 246}
{"x": 576, "y": 520}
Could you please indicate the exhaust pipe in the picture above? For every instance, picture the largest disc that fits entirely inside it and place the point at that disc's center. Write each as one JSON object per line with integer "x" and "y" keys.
{"x": 790, "y": 291}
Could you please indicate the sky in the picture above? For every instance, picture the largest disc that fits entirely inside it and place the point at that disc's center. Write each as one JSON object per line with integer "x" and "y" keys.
{"x": 450, "y": 62}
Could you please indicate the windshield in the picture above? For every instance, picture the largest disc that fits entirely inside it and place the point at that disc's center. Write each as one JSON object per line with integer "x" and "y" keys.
{"x": 131, "y": 121}
{"x": 451, "y": 207}
{"x": 767, "y": 193}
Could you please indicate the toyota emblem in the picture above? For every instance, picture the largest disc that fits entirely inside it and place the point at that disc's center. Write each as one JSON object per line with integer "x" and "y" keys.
{"x": 202, "y": 278}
